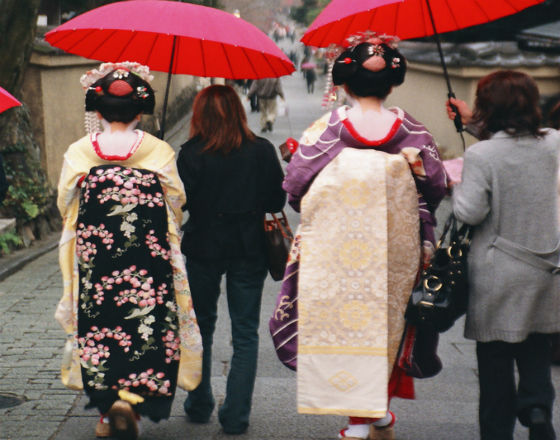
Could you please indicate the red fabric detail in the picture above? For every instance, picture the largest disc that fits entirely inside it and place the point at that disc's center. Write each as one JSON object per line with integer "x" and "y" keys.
{"x": 401, "y": 385}
{"x": 112, "y": 157}
{"x": 376, "y": 143}
{"x": 292, "y": 145}
{"x": 361, "y": 420}
{"x": 120, "y": 88}
{"x": 405, "y": 356}
{"x": 80, "y": 180}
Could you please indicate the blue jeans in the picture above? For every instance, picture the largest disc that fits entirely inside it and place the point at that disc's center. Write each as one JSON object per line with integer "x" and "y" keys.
{"x": 244, "y": 284}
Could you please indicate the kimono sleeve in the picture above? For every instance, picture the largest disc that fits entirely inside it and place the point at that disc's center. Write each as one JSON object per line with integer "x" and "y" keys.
{"x": 173, "y": 189}
{"x": 429, "y": 172}
{"x": 68, "y": 185}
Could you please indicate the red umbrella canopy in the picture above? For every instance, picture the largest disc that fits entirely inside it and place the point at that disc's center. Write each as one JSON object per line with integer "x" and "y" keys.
{"x": 404, "y": 18}
{"x": 7, "y": 100}
{"x": 205, "y": 41}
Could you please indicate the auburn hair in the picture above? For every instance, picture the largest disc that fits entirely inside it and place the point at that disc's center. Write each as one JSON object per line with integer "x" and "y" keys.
{"x": 219, "y": 119}
{"x": 507, "y": 100}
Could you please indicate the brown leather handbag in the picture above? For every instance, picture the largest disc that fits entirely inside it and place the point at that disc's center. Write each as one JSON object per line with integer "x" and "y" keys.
{"x": 278, "y": 239}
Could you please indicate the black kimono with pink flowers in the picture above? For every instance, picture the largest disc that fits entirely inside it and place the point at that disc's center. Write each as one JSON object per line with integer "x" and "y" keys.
{"x": 127, "y": 321}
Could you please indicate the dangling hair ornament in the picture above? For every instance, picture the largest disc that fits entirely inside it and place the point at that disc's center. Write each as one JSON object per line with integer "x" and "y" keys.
{"x": 329, "y": 96}
{"x": 121, "y": 71}
{"x": 119, "y": 87}
{"x": 374, "y": 63}
{"x": 91, "y": 123}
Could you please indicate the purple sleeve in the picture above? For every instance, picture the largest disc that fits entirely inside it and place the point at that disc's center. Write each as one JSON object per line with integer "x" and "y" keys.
{"x": 432, "y": 186}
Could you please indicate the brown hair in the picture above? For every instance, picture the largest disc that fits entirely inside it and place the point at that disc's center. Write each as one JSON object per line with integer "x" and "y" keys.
{"x": 507, "y": 100}
{"x": 219, "y": 119}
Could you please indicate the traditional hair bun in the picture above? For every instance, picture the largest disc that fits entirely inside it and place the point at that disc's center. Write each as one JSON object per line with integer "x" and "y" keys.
{"x": 370, "y": 69}
{"x": 120, "y": 96}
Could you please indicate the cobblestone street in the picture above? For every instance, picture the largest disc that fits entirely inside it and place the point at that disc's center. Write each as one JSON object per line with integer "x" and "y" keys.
{"x": 31, "y": 341}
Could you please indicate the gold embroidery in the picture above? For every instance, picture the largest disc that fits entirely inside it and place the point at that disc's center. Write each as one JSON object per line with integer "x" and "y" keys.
{"x": 343, "y": 381}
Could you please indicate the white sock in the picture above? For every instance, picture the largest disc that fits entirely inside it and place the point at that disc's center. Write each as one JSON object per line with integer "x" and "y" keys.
{"x": 384, "y": 421}
{"x": 358, "y": 431}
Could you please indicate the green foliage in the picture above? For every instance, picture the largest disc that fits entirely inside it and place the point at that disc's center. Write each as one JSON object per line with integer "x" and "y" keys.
{"x": 29, "y": 194}
{"x": 308, "y": 11}
{"x": 8, "y": 241}
{"x": 212, "y": 3}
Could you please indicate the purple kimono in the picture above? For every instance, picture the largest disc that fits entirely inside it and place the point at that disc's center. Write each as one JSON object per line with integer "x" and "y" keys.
{"x": 407, "y": 136}
{"x": 320, "y": 144}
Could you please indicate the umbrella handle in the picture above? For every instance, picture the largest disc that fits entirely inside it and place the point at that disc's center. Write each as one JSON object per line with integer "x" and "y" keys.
{"x": 457, "y": 121}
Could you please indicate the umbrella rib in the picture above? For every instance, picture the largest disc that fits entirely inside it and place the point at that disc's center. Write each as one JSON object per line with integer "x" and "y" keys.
{"x": 269, "y": 64}
{"x": 250, "y": 63}
{"x": 202, "y": 58}
{"x": 133, "y": 35}
{"x": 149, "y": 54}
{"x": 350, "y": 22}
{"x": 69, "y": 34}
{"x": 456, "y": 23}
{"x": 227, "y": 59}
{"x": 101, "y": 44}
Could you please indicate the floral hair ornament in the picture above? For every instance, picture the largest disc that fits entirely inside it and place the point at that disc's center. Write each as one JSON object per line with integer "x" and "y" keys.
{"x": 121, "y": 70}
{"x": 374, "y": 63}
{"x": 118, "y": 88}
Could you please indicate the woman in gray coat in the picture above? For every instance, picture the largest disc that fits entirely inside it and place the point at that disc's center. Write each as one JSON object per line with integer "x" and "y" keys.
{"x": 509, "y": 193}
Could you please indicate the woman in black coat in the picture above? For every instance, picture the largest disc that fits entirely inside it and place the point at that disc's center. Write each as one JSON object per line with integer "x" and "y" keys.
{"x": 232, "y": 178}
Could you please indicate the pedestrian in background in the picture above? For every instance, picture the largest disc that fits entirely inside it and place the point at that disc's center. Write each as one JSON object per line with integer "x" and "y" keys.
{"x": 364, "y": 219}
{"x": 266, "y": 90}
{"x": 126, "y": 307}
{"x": 508, "y": 192}
{"x": 310, "y": 78}
{"x": 231, "y": 178}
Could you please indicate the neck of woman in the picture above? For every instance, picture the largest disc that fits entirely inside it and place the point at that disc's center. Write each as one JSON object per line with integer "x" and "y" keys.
{"x": 370, "y": 103}
{"x": 370, "y": 118}
{"x": 117, "y": 138}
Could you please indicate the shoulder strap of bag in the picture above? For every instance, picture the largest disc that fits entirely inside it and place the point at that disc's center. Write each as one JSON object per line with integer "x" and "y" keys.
{"x": 527, "y": 255}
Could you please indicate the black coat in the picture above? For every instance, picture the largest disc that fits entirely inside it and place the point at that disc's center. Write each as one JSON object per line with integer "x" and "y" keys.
{"x": 227, "y": 196}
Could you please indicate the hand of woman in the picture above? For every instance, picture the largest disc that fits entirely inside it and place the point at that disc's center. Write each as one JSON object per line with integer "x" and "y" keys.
{"x": 462, "y": 107}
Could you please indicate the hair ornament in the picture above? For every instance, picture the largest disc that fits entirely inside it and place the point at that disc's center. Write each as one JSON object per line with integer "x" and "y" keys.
{"x": 123, "y": 68}
{"x": 120, "y": 73}
{"x": 395, "y": 63}
{"x": 142, "y": 92}
{"x": 375, "y": 63}
{"x": 120, "y": 87}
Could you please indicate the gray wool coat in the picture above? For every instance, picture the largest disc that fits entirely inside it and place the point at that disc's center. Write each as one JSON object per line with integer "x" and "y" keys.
{"x": 509, "y": 192}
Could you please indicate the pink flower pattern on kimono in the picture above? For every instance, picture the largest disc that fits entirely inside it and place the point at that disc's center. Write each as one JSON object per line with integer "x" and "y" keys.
{"x": 126, "y": 277}
{"x": 156, "y": 383}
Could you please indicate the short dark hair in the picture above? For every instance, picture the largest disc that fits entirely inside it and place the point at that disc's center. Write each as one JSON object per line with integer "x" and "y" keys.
{"x": 507, "y": 100}
{"x": 219, "y": 118}
{"x": 348, "y": 69}
{"x": 120, "y": 107}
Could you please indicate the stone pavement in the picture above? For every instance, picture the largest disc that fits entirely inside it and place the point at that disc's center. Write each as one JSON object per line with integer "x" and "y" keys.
{"x": 31, "y": 342}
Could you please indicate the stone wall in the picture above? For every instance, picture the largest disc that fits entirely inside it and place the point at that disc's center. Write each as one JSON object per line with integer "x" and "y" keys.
{"x": 424, "y": 92}
{"x": 54, "y": 95}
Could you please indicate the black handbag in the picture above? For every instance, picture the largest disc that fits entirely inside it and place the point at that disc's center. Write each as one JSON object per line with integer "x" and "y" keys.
{"x": 441, "y": 296}
{"x": 278, "y": 239}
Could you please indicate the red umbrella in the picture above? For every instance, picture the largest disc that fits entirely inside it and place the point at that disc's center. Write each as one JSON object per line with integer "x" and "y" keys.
{"x": 406, "y": 19}
{"x": 173, "y": 37}
{"x": 7, "y": 101}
